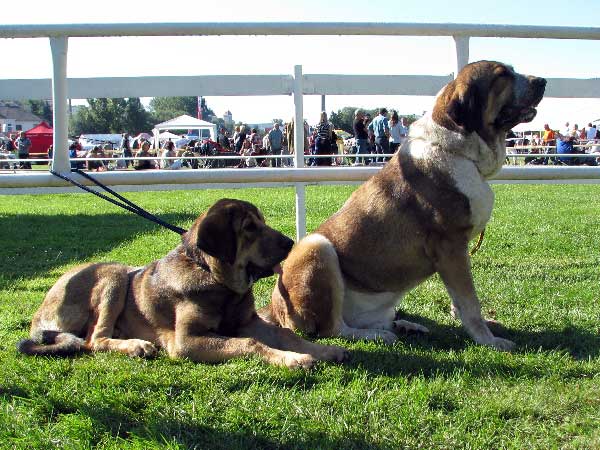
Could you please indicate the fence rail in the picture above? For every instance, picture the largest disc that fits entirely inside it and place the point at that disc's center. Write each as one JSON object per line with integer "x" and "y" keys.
{"x": 60, "y": 89}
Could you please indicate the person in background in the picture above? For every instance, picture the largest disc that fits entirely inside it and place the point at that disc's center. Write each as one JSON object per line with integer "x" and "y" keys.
{"x": 9, "y": 146}
{"x": 361, "y": 137}
{"x": 126, "y": 148}
{"x": 257, "y": 148}
{"x": 239, "y": 138}
{"x": 168, "y": 151}
{"x": 23, "y": 144}
{"x": 247, "y": 152}
{"x": 548, "y": 141}
{"x": 255, "y": 140}
{"x": 323, "y": 141}
{"x": 223, "y": 139}
{"x": 405, "y": 130}
{"x": 98, "y": 166}
{"x": 398, "y": 131}
{"x": 591, "y": 132}
{"x": 73, "y": 156}
{"x": 565, "y": 145}
{"x": 275, "y": 138}
{"x": 49, "y": 154}
{"x": 143, "y": 164}
{"x": 381, "y": 131}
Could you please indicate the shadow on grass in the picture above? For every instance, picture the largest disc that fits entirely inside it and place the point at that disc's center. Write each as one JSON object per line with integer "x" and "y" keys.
{"x": 579, "y": 343}
{"x": 34, "y": 244}
{"x": 191, "y": 435}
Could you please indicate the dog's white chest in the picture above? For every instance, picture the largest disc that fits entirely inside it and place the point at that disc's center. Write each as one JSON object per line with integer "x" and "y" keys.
{"x": 481, "y": 197}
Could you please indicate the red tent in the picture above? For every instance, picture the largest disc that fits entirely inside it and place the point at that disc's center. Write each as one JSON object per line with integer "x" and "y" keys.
{"x": 41, "y": 139}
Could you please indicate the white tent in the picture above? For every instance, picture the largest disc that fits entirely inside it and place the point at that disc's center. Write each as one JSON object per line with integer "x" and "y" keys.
{"x": 165, "y": 135}
{"x": 185, "y": 122}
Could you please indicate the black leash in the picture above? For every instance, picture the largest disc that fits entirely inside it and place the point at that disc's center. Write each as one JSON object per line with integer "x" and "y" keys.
{"x": 124, "y": 203}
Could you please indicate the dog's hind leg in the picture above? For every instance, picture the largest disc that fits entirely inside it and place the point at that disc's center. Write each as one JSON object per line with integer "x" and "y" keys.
{"x": 108, "y": 300}
{"x": 309, "y": 294}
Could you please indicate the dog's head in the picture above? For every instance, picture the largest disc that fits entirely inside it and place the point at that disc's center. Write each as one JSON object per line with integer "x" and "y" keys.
{"x": 242, "y": 246}
{"x": 488, "y": 98}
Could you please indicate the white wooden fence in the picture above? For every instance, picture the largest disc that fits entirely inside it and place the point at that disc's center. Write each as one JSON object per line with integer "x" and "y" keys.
{"x": 60, "y": 89}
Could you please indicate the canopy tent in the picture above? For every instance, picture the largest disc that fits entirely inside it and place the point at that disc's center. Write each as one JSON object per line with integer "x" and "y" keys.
{"x": 186, "y": 122}
{"x": 165, "y": 135}
{"x": 41, "y": 138}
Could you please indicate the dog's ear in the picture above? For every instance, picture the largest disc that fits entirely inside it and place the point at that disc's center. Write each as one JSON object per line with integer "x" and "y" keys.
{"x": 460, "y": 107}
{"x": 214, "y": 234}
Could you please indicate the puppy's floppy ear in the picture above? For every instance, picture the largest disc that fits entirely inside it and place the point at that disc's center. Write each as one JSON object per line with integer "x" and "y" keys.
{"x": 460, "y": 107}
{"x": 213, "y": 233}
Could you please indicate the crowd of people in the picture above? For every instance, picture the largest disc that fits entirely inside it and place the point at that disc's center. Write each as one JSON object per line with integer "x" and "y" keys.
{"x": 375, "y": 138}
{"x": 570, "y": 140}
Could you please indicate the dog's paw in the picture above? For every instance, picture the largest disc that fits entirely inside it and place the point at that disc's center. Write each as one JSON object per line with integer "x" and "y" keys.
{"x": 404, "y": 326}
{"x": 387, "y": 337}
{"x": 141, "y": 348}
{"x": 502, "y": 344}
{"x": 298, "y": 361}
{"x": 334, "y": 353}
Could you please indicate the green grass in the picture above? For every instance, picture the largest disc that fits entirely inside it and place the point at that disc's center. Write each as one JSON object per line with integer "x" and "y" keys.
{"x": 537, "y": 273}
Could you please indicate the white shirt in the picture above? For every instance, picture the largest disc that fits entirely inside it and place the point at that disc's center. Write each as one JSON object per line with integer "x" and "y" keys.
{"x": 591, "y": 133}
{"x": 398, "y": 133}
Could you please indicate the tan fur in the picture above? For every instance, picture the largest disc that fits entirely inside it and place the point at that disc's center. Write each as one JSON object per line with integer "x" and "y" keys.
{"x": 195, "y": 303}
{"x": 411, "y": 220}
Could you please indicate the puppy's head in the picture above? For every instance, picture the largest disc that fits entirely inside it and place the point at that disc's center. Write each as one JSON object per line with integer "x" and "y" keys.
{"x": 242, "y": 245}
{"x": 488, "y": 98}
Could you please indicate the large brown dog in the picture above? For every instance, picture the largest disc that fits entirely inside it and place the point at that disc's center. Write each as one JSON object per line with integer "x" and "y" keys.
{"x": 411, "y": 220}
{"x": 195, "y": 303}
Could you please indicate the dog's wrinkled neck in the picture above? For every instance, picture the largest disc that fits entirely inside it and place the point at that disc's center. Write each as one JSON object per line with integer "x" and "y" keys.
{"x": 488, "y": 157}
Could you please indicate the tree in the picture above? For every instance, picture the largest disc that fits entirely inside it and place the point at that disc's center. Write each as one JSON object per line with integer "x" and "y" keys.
{"x": 110, "y": 115}
{"x": 343, "y": 119}
{"x": 135, "y": 118}
{"x": 165, "y": 108}
{"x": 41, "y": 108}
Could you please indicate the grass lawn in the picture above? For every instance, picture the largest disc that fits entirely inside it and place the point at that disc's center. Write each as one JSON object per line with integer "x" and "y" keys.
{"x": 537, "y": 273}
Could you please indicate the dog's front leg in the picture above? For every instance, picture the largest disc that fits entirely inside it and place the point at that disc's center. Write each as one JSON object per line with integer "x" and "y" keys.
{"x": 214, "y": 348}
{"x": 453, "y": 264}
{"x": 285, "y": 339}
{"x": 193, "y": 341}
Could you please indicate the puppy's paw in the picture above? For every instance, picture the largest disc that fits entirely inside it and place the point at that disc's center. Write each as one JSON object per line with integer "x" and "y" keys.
{"x": 334, "y": 353}
{"x": 298, "y": 361}
{"x": 141, "y": 348}
{"x": 404, "y": 326}
{"x": 502, "y": 344}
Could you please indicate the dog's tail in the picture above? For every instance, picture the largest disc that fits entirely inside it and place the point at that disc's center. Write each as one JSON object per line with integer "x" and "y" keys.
{"x": 51, "y": 343}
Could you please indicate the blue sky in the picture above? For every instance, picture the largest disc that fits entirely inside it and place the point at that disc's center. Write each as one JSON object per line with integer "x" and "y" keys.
{"x": 358, "y": 55}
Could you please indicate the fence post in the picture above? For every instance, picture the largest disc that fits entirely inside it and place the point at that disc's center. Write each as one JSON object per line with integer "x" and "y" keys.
{"x": 299, "y": 151}
{"x": 60, "y": 155}
{"x": 461, "y": 44}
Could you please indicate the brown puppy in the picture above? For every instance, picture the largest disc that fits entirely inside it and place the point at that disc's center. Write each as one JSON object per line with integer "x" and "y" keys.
{"x": 195, "y": 303}
{"x": 411, "y": 220}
